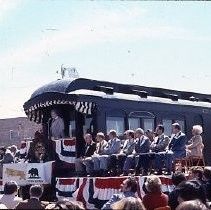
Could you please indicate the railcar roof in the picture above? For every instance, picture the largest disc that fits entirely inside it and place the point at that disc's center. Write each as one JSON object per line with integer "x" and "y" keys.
{"x": 67, "y": 86}
{"x": 133, "y": 97}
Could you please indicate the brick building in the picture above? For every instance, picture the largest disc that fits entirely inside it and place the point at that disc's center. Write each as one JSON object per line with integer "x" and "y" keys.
{"x": 13, "y": 130}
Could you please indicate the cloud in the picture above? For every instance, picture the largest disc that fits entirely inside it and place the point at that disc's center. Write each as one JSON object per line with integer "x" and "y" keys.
{"x": 6, "y": 7}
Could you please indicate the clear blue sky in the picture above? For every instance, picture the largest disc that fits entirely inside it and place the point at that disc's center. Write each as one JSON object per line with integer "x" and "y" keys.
{"x": 163, "y": 44}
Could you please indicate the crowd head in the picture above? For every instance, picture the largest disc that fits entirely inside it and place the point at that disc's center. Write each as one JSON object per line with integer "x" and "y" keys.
{"x": 139, "y": 132}
{"x": 196, "y": 172}
{"x": 192, "y": 205}
{"x": 88, "y": 138}
{"x": 153, "y": 184}
{"x": 176, "y": 128}
{"x": 177, "y": 178}
{"x": 191, "y": 190}
{"x": 100, "y": 137}
{"x": 129, "y": 185}
{"x": 129, "y": 203}
{"x": 36, "y": 191}
{"x": 197, "y": 130}
{"x": 10, "y": 188}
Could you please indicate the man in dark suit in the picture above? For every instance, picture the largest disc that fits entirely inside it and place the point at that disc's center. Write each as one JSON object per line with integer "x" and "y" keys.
{"x": 87, "y": 151}
{"x": 57, "y": 126}
{"x": 176, "y": 147}
{"x": 159, "y": 146}
{"x": 34, "y": 202}
{"x": 142, "y": 146}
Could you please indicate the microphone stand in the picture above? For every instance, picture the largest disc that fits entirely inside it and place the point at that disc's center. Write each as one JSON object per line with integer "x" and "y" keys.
{"x": 49, "y": 145}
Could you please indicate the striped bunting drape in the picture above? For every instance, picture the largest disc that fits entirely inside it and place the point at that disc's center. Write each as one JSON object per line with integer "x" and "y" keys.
{"x": 35, "y": 112}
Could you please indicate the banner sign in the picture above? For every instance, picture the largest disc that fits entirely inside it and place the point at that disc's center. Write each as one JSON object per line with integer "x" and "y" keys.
{"x": 28, "y": 173}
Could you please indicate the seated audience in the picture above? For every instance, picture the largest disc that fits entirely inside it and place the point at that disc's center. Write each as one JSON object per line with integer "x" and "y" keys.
{"x": 128, "y": 189}
{"x": 177, "y": 178}
{"x": 128, "y": 203}
{"x": 10, "y": 198}
{"x": 34, "y": 201}
{"x": 192, "y": 205}
{"x": 154, "y": 197}
{"x": 195, "y": 146}
{"x": 191, "y": 190}
{"x": 207, "y": 180}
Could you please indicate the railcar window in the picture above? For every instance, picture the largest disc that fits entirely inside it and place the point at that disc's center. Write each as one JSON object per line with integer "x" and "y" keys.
{"x": 182, "y": 124}
{"x": 116, "y": 123}
{"x": 134, "y": 123}
{"x": 167, "y": 126}
{"x": 148, "y": 124}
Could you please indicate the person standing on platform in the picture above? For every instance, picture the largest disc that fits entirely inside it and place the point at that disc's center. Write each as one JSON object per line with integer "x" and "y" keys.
{"x": 57, "y": 125}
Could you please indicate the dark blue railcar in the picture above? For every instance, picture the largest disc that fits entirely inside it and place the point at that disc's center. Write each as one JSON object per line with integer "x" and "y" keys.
{"x": 92, "y": 106}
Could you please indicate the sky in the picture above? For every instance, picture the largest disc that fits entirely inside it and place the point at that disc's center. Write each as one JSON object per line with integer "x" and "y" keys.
{"x": 158, "y": 44}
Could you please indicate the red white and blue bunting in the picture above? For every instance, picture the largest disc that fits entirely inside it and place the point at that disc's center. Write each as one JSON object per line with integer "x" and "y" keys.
{"x": 90, "y": 189}
{"x": 66, "y": 151}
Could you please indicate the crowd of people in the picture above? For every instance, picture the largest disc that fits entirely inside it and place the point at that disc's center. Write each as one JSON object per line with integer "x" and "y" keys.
{"x": 190, "y": 192}
{"x": 139, "y": 153}
{"x": 30, "y": 151}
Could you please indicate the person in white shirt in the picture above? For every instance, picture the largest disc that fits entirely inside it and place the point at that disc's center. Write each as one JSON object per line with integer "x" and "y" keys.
{"x": 10, "y": 198}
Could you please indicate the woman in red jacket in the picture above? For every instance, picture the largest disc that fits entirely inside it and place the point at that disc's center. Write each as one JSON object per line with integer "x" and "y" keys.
{"x": 154, "y": 198}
